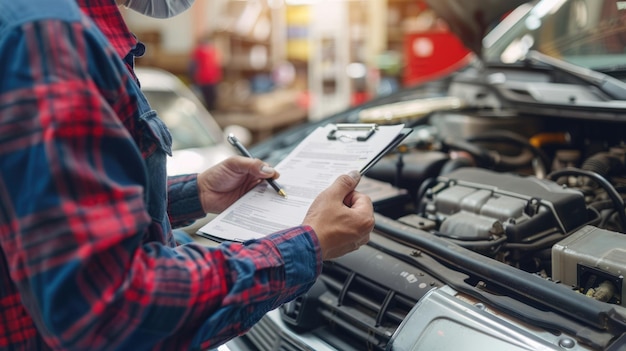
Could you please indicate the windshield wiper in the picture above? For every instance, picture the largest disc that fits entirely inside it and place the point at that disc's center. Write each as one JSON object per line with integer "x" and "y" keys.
{"x": 613, "y": 87}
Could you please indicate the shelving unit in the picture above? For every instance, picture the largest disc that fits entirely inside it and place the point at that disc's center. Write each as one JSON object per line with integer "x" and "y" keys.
{"x": 399, "y": 21}
{"x": 251, "y": 37}
{"x": 401, "y": 15}
{"x": 333, "y": 54}
{"x": 340, "y": 51}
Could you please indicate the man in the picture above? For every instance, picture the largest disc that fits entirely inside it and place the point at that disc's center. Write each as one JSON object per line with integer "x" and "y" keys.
{"x": 87, "y": 259}
{"x": 206, "y": 71}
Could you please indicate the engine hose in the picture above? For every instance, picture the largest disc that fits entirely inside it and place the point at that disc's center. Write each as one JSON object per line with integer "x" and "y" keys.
{"x": 603, "y": 163}
{"x": 454, "y": 164}
{"x": 539, "y": 244}
{"x": 618, "y": 202}
{"x": 421, "y": 192}
{"x": 479, "y": 244}
{"x": 508, "y": 136}
{"x": 483, "y": 157}
{"x": 602, "y": 205}
{"x": 524, "y": 158}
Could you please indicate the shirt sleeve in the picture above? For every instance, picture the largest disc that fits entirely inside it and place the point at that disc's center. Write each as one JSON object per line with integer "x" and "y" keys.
{"x": 73, "y": 214}
{"x": 184, "y": 205}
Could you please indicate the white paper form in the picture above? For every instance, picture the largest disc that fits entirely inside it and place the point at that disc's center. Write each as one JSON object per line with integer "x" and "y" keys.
{"x": 309, "y": 169}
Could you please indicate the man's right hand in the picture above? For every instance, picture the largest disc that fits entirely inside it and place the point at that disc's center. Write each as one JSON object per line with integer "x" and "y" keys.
{"x": 341, "y": 217}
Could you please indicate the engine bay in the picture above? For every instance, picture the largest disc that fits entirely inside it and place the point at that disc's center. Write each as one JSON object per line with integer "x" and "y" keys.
{"x": 515, "y": 188}
{"x": 493, "y": 212}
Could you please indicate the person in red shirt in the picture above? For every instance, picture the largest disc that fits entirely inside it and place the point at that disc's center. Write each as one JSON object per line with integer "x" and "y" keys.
{"x": 206, "y": 70}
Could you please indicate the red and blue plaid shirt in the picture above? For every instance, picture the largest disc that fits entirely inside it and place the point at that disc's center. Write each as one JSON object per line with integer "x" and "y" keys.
{"x": 82, "y": 264}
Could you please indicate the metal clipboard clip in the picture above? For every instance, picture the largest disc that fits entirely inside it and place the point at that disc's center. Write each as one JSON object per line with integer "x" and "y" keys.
{"x": 368, "y": 130}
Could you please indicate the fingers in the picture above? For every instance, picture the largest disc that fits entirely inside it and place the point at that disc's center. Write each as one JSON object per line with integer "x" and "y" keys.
{"x": 341, "y": 217}
{"x": 222, "y": 184}
{"x": 268, "y": 171}
{"x": 261, "y": 169}
{"x": 350, "y": 180}
{"x": 360, "y": 202}
{"x": 344, "y": 185}
{"x": 252, "y": 166}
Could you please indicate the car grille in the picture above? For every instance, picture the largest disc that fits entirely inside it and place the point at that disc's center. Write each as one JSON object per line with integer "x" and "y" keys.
{"x": 362, "y": 310}
{"x": 357, "y": 303}
{"x": 268, "y": 336}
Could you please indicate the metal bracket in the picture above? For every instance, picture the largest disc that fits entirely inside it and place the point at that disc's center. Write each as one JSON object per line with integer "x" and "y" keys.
{"x": 368, "y": 130}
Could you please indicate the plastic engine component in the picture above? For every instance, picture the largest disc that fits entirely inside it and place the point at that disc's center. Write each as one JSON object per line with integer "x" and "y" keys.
{"x": 592, "y": 260}
{"x": 477, "y": 204}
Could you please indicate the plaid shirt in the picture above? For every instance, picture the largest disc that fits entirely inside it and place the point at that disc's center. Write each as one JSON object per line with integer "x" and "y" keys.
{"x": 84, "y": 262}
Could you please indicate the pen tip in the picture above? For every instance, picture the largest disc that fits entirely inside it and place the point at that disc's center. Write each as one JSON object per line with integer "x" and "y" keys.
{"x": 282, "y": 193}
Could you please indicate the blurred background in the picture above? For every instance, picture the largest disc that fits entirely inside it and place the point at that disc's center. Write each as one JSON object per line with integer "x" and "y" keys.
{"x": 272, "y": 64}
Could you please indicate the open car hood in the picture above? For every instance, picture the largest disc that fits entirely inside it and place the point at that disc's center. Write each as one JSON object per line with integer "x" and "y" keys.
{"x": 471, "y": 20}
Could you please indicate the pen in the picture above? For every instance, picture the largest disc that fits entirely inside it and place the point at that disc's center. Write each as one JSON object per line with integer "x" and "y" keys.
{"x": 242, "y": 149}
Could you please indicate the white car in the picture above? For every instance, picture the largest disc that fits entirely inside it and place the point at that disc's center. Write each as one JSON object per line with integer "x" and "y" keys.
{"x": 514, "y": 234}
{"x": 198, "y": 141}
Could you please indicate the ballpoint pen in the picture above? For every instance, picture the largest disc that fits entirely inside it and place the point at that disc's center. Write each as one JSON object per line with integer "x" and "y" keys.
{"x": 242, "y": 149}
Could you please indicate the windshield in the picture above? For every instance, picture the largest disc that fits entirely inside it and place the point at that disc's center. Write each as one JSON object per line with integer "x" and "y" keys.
{"x": 181, "y": 117}
{"x": 587, "y": 33}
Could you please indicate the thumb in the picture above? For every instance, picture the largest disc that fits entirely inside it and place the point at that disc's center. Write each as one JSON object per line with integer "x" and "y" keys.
{"x": 346, "y": 183}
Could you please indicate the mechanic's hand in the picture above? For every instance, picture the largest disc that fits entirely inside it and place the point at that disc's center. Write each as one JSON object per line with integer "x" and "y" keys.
{"x": 221, "y": 185}
{"x": 341, "y": 217}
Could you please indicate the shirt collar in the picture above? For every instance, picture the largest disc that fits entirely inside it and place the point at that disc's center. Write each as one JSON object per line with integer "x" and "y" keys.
{"x": 107, "y": 16}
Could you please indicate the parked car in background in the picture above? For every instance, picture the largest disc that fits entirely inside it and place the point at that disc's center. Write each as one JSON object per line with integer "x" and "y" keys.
{"x": 512, "y": 235}
{"x": 197, "y": 140}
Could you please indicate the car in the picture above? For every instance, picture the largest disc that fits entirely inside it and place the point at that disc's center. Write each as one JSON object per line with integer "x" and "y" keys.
{"x": 512, "y": 233}
{"x": 198, "y": 142}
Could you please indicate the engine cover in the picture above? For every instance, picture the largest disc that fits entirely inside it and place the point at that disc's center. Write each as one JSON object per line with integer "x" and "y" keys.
{"x": 476, "y": 204}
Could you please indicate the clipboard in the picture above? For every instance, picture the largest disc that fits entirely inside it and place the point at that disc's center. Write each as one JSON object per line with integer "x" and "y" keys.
{"x": 366, "y": 131}
{"x": 306, "y": 171}
{"x": 392, "y": 145}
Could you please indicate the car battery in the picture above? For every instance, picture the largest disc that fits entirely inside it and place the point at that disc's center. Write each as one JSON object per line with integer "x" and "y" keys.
{"x": 592, "y": 260}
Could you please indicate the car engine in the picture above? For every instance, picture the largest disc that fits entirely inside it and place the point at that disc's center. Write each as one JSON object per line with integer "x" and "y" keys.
{"x": 524, "y": 191}
{"x": 502, "y": 223}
